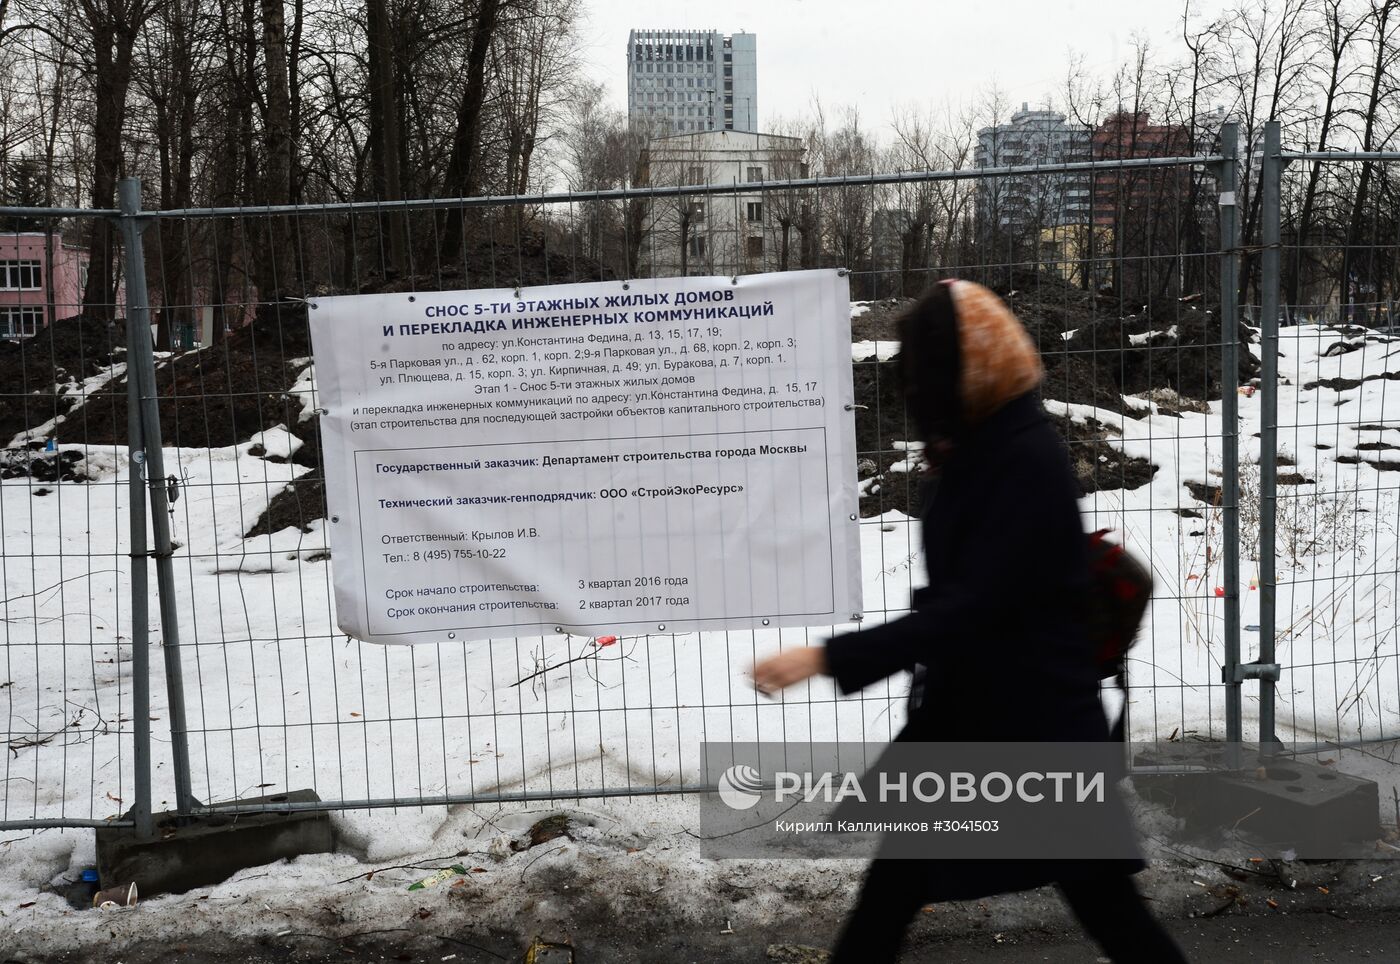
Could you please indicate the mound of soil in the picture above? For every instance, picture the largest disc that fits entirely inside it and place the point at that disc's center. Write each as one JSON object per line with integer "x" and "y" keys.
{"x": 504, "y": 265}
{"x": 879, "y": 321}
{"x": 35, "y": 371}
{"x": 1098, "y": 466}
{"x": 1093, "y": 353}
{"x": 1097, "y": 360}
{"x": 297, "y": 506}
{"x": 24, "y": 462}
{"x": 225, "y": 394}
{"x": 881, "y": 421}
{"x": 216, "y": 396}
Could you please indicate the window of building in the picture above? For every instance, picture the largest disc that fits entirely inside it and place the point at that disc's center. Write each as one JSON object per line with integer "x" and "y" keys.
{"x": 755, "y": 247}
{"x": 697, "y": 208}
{"x": 697, "y": 245}
{"x": 696, "y": 174}
{"x": 755, "y": 173}
{"x": 21, "y": 276}
{"x": 20, "y": 321}
{"x": 755, "y": 210}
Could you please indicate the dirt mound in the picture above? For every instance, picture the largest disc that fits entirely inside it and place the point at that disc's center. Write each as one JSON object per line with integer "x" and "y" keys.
{"x": 36, "y": 372}
{"x": 227, "y": 393}
{"x": 1098, "y": 465}
{"x": 1096, "y": 350}
{"x": 878, "y": 320}
{"x": 215, "y": 396}
{"x": 297, "y": 506}
{"x": 485, "y": 264}
{"x": 882, "y": 425}
{"x": 20, "y": 463}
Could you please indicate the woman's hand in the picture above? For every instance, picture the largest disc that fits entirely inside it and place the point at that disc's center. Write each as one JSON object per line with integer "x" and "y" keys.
{"x": 787, "y": 668}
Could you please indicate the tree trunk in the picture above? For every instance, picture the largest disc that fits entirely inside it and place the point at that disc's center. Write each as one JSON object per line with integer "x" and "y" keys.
{"x": 113, "y": 41}
{"x": 1356, "y": 223}
{"x": 384, "y": 140}
{"x": 463, "y": 166}
{"x": 272, "y": 252}
{"x": 1336, "y": 45}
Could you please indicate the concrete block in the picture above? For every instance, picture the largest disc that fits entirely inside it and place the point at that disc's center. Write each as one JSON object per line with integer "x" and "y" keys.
{"x": 188, "y": 852}
{"x": 1287, "y": 805}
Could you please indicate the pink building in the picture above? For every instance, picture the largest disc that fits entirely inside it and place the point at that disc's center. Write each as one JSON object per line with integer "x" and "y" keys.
{"x": 26, "y": 277}
{"x": 26, "y": 274}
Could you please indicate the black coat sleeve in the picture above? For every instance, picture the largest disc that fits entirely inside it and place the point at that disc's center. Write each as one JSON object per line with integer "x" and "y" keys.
{"x": 1012, "y": 525}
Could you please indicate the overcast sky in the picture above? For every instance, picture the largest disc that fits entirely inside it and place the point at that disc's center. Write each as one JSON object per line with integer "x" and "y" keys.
{"x": 878, "y": 53}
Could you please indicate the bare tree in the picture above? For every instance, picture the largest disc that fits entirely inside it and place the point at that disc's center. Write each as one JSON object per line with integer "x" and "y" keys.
{"x": 1335, "y": 30}
{"x": 463, "y": 175}
{"x": 1358, "y": 258}
{"x": 111, "y": 31}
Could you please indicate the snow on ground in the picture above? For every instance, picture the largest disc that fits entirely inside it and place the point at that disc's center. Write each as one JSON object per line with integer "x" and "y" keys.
{"x": 1337, "y": 555}
{"x": 277, "y": 442}
{"x": 878, "y": 350}
{"x": 277, "y": 701}
{"x": 1147, "y": 337}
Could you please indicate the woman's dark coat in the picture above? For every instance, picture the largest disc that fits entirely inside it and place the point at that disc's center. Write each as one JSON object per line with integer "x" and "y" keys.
{"x": 997, "y": 637}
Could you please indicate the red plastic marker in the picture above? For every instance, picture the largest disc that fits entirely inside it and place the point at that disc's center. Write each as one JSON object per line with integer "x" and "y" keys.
{"x": 605, "y": 640}
{"x": 1220, "y": 592}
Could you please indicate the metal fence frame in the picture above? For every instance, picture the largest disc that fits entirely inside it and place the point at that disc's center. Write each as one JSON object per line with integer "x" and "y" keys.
{"x": 1272, "y": 316}
{"x": 148, "y": 489}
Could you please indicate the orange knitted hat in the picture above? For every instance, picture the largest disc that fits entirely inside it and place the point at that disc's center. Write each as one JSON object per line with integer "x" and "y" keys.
{"x": 999, "y": 362}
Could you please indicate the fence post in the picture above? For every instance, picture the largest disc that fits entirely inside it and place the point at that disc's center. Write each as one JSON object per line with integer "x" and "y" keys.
{"x": 1270, "y": 177}
{"x": 1227, "y": 179}
{"x": 140, "y": 609}
{"x": 141, "y": 370}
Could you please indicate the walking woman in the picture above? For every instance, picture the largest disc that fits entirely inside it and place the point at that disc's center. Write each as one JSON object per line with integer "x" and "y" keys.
{"x": 997, "y": 641}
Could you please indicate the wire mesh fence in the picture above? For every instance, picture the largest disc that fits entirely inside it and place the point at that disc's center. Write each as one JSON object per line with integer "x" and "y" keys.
{"x": 1125, "y": 273}
{"x": 1336, "y": 500}
{"x": 69, "y": 682}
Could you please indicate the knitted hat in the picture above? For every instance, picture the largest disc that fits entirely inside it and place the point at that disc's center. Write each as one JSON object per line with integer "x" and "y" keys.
{"x": 999, "y": 362}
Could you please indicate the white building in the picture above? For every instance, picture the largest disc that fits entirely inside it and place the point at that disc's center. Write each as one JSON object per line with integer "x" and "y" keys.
{"x": 686, "y": 81}
{"x": 751, "y": 229}
{"x": 1033, "y": 201}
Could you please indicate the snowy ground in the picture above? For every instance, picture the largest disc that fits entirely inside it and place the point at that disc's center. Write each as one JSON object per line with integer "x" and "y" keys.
{"x": 276, "y": 701}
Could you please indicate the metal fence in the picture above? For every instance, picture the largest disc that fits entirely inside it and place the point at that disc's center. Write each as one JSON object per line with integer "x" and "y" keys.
{"x": 1329, "y": 498}
{"x": 1135, "y": 311}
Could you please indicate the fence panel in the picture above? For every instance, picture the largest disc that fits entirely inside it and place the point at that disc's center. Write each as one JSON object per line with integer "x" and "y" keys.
{"x": 73, "y": 676}
{"x": 1116, "y": 269}
{"x": 1337, "y": 498}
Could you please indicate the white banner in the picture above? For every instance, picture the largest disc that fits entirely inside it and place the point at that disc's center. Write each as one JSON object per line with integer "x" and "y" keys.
{"x": 650, "y": 456}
